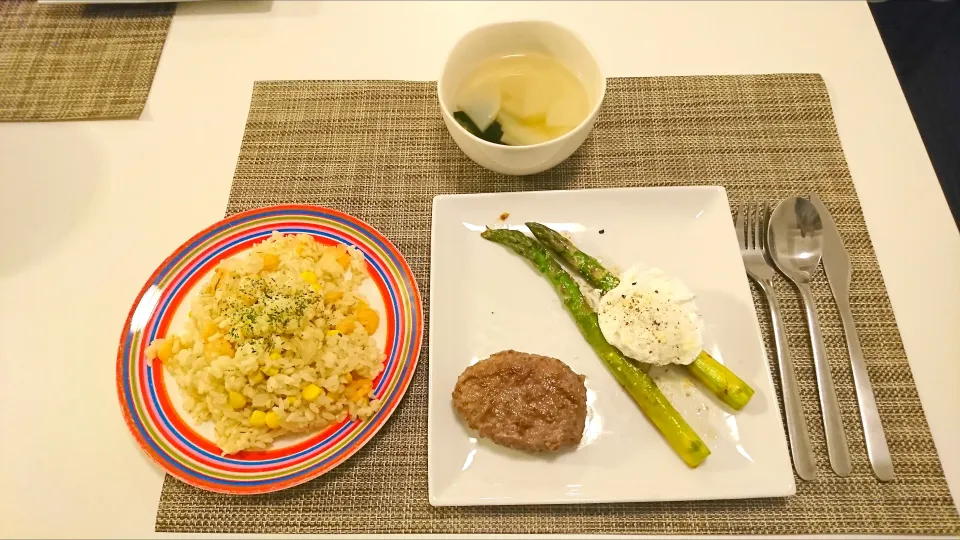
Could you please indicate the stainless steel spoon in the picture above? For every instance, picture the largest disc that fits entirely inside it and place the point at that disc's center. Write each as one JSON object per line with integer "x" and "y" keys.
{"x": 795, "y": 241}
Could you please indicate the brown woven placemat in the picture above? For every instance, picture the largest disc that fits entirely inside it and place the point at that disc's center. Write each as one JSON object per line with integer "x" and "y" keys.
{"x": 75, "y": 62}
{"x": 379, "y": 150}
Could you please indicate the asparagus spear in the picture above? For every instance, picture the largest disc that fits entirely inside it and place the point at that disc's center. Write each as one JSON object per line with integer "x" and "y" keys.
{"x": 679, "y": 435}
{"x": 715, "y": 376}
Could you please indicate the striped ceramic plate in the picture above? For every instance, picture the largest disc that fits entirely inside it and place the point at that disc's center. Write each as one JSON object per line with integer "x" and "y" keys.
{"x": 151, "y": 404}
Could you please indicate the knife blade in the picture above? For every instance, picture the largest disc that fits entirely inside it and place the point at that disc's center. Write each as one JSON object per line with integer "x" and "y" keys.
{"x": 839, "y": 271}
{"x": 836, "y": 260}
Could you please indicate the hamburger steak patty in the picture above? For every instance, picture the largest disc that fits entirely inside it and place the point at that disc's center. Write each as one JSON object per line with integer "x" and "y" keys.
{"x": 523, "y": 401}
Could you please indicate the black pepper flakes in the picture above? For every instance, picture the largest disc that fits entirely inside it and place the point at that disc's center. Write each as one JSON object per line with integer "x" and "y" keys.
{"x": 601, "y": 232}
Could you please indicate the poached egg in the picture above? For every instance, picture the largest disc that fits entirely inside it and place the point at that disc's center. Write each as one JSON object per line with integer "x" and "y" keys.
{"x": 652, "y": 317}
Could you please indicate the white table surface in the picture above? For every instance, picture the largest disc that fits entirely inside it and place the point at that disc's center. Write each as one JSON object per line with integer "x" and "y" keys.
{"x": 88, "y": 209}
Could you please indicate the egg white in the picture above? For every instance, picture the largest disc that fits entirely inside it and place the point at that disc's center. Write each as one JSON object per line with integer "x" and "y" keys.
{"x": 652, "y": 317}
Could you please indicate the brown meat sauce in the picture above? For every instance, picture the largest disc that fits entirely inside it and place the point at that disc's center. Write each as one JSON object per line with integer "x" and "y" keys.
{"x": 523, "y": 401}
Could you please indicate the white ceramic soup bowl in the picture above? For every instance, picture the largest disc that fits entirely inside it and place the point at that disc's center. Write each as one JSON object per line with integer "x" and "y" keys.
{"x": 503, "y": 39}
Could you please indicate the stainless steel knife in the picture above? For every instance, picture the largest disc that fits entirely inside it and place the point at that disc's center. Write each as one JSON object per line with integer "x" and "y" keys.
{"x": 836, "y": 264}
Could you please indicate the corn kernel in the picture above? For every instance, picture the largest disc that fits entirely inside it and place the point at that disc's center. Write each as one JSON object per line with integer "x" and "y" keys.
{"x": 357, "y": 390}
{"x": 308, "y": 276}
{"x": 218, "y": 347}
{"x": 333, "y": 296}
{"x": 275, "y": 355}
{"x": 208, "y": 329}
{"x": 369, "y": 319}
{"x": 270, "y": 261}
{"x": 271, "y": 371}
{"x": 331, "y": 333}
{"x": 311, "y": 392}
{"x": 257, "y": 377}
{"x": 344, "y": 260}
{"x": 291, "y": 401}
{"x": 272, "y": 420}
{"x": 347, "y": 325}
{"x": 165, "y": 350}
{"x": 237, "y": 400}
{"x": 258, "y": 418}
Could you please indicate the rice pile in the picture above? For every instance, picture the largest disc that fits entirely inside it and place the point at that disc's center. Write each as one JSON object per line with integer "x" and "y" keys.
{"x": 278, "y": 342}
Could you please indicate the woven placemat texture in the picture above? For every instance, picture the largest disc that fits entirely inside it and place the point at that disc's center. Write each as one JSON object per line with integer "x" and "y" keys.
{"x": 379, "y": 151}
{"x": 75, "y": 62}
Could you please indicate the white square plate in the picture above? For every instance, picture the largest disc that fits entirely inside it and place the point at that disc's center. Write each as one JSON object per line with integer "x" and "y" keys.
{"x": 485, "y": 299}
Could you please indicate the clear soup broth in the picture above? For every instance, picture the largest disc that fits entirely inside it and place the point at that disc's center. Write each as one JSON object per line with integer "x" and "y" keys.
{"x": 520, "y": 100}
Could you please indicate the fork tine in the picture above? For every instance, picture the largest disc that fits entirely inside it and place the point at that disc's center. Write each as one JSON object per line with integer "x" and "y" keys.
{"x": 748, "y": 216}
{"x": 758, "y": 228}
{"x": 764, "y": 222}
{"x": 739, "y": 226}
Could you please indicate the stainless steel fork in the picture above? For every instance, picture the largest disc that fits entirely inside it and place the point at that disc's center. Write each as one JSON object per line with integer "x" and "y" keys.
{"x": 751, "y": 226}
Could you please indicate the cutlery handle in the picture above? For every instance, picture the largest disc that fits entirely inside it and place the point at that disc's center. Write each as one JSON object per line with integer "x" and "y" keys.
{"x": 872, "y": 428}
{"x": 800, "y": 449}
{"x": 829, "y": 406}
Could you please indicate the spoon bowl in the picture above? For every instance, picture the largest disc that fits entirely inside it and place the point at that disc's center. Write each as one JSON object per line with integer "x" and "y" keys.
{"x": 795, "y": 238}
